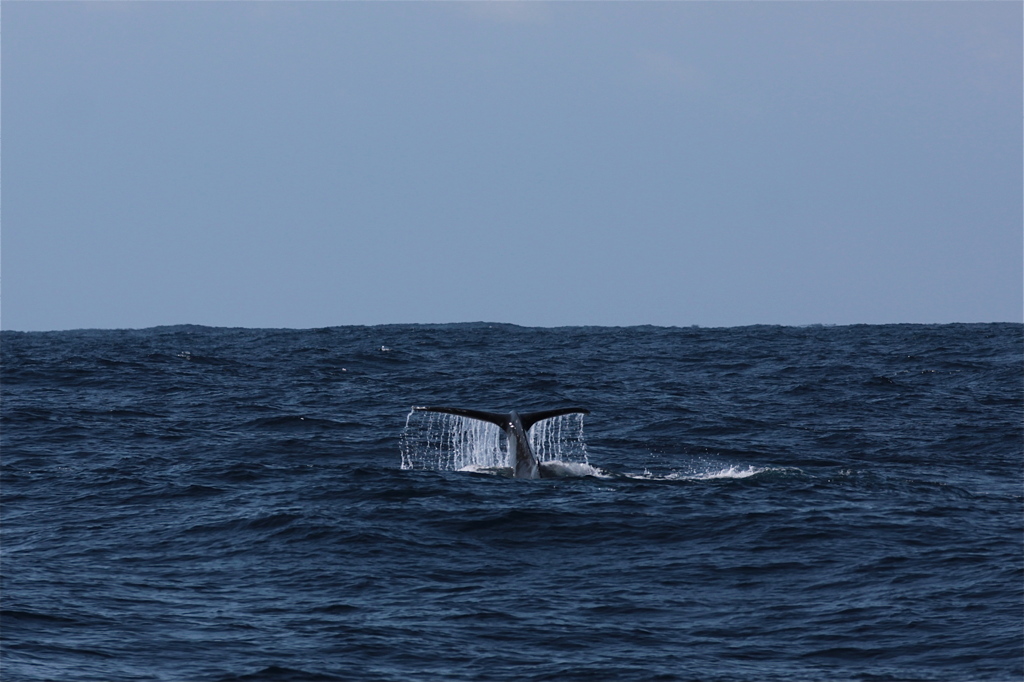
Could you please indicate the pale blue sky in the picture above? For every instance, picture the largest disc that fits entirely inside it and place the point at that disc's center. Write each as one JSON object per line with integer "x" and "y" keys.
{"x": 281, "y": 164}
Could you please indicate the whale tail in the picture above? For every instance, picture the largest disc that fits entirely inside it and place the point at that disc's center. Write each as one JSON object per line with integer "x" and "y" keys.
{"x": 515, "y": 426}
{"x": 502, "y": 421}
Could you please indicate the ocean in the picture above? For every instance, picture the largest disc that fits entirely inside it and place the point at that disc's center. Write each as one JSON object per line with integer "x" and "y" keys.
{"x": 754, "y": 503}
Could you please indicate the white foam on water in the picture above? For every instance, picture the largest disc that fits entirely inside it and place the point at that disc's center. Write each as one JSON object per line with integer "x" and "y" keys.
{"x": 559, "y": 469}
{"x": 708, "y": 474}
{"x": 728, "y": 472}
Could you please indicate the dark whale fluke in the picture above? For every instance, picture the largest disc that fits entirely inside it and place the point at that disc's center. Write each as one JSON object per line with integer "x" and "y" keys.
{"x": 515, "y": 426}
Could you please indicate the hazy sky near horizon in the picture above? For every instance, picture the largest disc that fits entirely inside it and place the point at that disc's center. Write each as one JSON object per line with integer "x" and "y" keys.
{"x": 284, "y": 164}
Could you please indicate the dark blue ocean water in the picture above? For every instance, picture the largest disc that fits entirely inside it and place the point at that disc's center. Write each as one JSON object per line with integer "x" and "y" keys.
{"x": 763, "y": 503}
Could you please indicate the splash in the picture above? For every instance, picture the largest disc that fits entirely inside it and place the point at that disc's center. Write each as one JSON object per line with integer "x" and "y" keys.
{"x": 727, "y": 472}
{"x": 448, "y": 442}
{"x": 709, "y": 473}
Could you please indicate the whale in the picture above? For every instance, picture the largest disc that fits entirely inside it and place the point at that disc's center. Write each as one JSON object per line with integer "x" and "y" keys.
{"x": 515, "y": 426}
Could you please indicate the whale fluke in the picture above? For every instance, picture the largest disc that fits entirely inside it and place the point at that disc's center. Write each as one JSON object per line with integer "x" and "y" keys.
{"x": 515, "y": 426}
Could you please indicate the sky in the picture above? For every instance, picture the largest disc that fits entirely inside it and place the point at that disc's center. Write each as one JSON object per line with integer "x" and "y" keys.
{"x": 286, "y": 164}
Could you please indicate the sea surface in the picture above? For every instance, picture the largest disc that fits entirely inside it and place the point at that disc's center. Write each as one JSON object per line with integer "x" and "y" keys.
{"x": 756, "y": 503}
